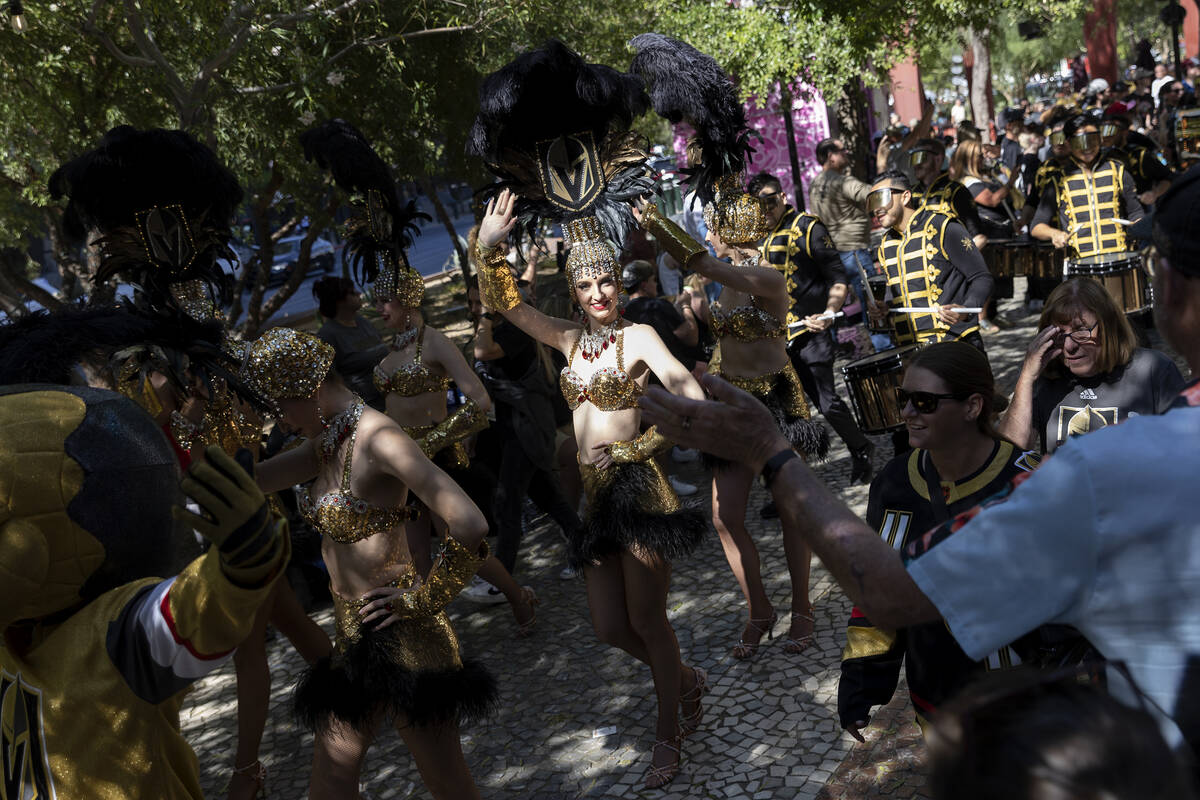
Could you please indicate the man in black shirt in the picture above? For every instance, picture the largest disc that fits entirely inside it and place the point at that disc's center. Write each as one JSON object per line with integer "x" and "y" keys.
{"x": 674, "y": 323}
{"x": 800, "y": 247}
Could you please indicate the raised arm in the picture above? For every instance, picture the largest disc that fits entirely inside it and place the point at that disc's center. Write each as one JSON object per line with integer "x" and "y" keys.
{"x": 287, "y": 469}
{"x": 498, "y": 286}
{"x": 451, "y": 358}
{"x": 658, "y": 359}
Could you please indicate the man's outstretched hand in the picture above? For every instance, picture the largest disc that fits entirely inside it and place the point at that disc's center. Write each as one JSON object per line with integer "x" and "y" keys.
{"x": 733, "y": 425}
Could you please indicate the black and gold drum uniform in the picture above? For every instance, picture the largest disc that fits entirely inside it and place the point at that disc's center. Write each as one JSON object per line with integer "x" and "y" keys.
{"x": 411, "y": 671}
{"x": 780, "y": 390}
{"x": 935, "y": 666}
{"x": 1147, "y": 165}
{"x": 801, "y": 248}
{"x": 948, "y": 196}
{"x": 630, "y": 505}
{"x": 933, "y": 262}
{"x": 441, "y": 441}
{"x": 1089, "y": 205}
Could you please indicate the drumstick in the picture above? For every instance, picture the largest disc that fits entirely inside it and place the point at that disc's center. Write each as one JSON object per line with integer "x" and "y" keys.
{"x": 826, "y": 315}
{"x": 932, "y": 310}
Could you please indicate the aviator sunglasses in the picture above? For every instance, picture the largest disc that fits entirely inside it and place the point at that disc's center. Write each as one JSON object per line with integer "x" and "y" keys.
{"x": 1058, "y": 138}
{"x": 924, "y": 402}
{"x": 1082, "y": 142}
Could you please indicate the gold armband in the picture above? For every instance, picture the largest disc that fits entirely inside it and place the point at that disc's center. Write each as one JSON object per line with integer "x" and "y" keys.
{"x": 641, "y": 449}
{"x": 674, "y": 239}
{"x": 449, "y": 575}
{"x": 497, "y": 285}
{"x": 454, "y": 428}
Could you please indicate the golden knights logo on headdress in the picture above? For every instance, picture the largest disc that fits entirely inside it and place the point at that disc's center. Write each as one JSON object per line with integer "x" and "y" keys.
{"x": 25, "y": 762}
{"x": 569, "y": 169}
{"x": 167, "y": 237}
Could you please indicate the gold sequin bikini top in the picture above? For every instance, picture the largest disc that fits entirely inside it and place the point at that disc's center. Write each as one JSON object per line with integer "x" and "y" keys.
{"x": 745, "y": 323}
{"x": 411, "y": 379}
{"x": 345, "y": 518}
{"x": 608, "y": 390}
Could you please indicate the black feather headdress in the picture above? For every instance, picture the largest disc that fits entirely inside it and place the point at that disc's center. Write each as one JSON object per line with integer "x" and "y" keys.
{"x": 688, "y": 86}
{"x": 554, "y": 129}
{"x": 161, "y": 203}
{"x": 381, "y": 228}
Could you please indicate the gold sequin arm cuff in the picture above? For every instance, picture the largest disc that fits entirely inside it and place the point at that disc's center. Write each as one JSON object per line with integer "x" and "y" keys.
{"x": 641, "y": 449}
{"x": 462, "y": 423}
{"x": 674, "y": 239}
{"x": 497, "y": 284}
{"x": 213, "y": 610}
{"x": 447, "y": 578}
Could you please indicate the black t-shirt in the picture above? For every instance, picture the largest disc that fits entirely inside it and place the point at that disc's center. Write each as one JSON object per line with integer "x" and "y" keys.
{"x": 1067, "y": 406}
{"x": 519, "y": 351}
{"x": 664, "y": 318}
{"x": 996, "y": 222}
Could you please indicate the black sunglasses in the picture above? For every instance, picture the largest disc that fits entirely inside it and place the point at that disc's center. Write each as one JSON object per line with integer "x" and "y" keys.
{"x": 924, "y": 402}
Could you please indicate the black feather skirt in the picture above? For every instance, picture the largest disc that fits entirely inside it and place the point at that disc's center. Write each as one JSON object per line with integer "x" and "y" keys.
{"x": 633, "y": 507}
{"x": 783, "y": 395}
{"x": 409, "y": 673}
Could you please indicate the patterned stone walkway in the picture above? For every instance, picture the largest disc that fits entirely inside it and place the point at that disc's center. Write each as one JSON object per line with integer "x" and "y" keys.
{"x": 576, "y": 719}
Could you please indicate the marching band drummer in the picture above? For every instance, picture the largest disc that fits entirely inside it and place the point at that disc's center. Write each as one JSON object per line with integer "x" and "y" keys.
{"x": 1093, "y": 196}
{"x": 932, "y": 266}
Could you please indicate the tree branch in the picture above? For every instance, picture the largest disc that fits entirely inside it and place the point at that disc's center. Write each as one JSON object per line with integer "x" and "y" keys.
{"x": 308, "y": 12}
{"x": 89, "y": 27}
{"x": 147, "y": 47}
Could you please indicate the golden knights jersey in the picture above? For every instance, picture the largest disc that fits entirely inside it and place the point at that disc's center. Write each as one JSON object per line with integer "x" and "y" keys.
{"x": 935, "y": 666}
{"x": 1090, "y": 205}
{"x": 801, "y": 248}
{"x": 934, "y": 262}
{"x": 89, "y": 708}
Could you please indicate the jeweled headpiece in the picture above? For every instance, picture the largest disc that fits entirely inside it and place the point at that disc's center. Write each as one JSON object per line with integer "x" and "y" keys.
{"x": 380, "y": 228}
{"x": 580, "y": 166}
{"x": 591, "y": 253}
{"x": 737, "y": 217}
{"x": 285, "y": 363}
{"x": 688, "y": 86}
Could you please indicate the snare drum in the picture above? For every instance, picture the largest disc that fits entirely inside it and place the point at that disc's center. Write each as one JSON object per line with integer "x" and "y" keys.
{"x": 1121, "y": 274}
{"x": 872, "y": 383}
{"x": 1046, "y": 262}
{"x": 1007, "y": 258}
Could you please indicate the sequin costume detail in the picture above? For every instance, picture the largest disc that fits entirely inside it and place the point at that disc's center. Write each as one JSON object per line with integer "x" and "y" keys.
{"x": 745, "y": 323}
{"x": 608, "y": 389}
{"x": 412, "y": 379}
{"x": 762, "y": 385}
{"x": 345, "y": 518}
{"x": 455, "y": 456}
{"x": 426, "y": 642}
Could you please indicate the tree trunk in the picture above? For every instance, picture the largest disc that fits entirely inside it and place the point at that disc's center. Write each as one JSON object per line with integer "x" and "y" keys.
{"x": 14, "y": 264}
{"x": 981, "y": 68}
{"x": 785, "y": 108}
{"x": 430, "y": 189}
{"x": 851, "y": 111}
{"x": 317, "y": 223}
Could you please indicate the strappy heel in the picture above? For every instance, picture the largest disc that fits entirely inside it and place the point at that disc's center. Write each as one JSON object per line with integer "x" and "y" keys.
{"x": 690, "y": 723}
{"x": 256, "y": 773}
{"x": 744, "y": 650}
{"x": 797, "y": 645}
{"x": 658, "y": 777}
{"x": 525, "y": 628}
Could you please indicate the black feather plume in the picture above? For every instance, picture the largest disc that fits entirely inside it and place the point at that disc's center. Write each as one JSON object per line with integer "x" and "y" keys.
{"x": 550, "y": 92}
{"x": 686, "y": 85}
{"x": 381, "y": 224}
{"x": 132, "y": 171}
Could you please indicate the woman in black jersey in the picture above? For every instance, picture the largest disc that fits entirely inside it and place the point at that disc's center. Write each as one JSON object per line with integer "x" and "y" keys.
{"x": 948, "y": 404}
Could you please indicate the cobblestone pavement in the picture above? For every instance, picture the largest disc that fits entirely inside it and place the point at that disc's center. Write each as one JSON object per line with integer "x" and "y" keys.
{"x": 576, "y": 719}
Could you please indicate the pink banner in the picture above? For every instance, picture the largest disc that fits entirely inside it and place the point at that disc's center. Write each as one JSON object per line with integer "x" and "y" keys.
{"x": 810, "y": 122}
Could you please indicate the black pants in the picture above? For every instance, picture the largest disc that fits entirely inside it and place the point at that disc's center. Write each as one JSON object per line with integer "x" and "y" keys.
{"x": 519, "y": 477}
{"x": 812, "y": 356}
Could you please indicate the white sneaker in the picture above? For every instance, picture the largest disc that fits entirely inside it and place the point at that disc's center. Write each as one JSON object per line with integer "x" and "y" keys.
{"x": 683, "y": 455}
{"x": 681, "y": 488}
{"x": 480, "y": 591}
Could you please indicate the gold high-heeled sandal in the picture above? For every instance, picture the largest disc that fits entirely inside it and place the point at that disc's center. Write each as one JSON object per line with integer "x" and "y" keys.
{"x": 658, "y": 777}
{"x": 526, "y": 628}
{"x": 797, "y": 645}
{"x": 257, "y": 773}
{"x": 690, "y": 723}
{"x": 744, "y": 650}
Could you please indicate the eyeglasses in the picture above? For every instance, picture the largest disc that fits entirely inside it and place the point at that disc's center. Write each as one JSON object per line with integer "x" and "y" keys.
{"x": 1108, "y": 130}
{"x": 1058, "y": 138}
{"x": 1082, "y": 335}
{"x": 924, "y": 402}
{"x": 770, "y": 198}
{"x": 918, "y": 157}
{"x": 1176, "y": 90}
{"x": 881, "y": 198}
{"x": 1082, "y": 142}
